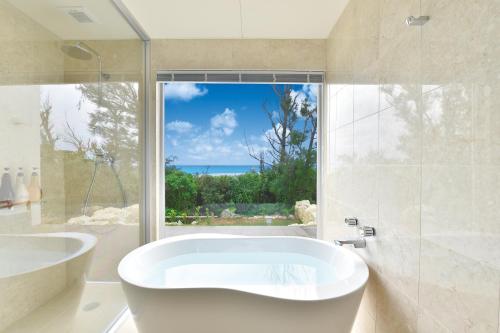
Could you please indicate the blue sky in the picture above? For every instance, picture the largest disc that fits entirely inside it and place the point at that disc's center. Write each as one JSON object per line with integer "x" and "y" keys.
{"x": 206, "y": 124}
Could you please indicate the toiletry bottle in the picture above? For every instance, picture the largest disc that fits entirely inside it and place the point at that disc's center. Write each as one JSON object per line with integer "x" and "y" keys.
{"x": 7, "y": 194}
{"x": 22, "y": 195}
{"x": 35, "y": 194}
{"x": 34, "y": 190}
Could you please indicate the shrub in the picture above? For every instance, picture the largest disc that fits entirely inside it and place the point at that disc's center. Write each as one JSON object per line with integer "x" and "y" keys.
{"x": 180, "y": 190}
{"x": 273, "y": 191}
{"x": 213, "y": 189}
{"x": 246, "y": 188}
{"x": 171, "y": 215}
{"x": 293, "y": 181}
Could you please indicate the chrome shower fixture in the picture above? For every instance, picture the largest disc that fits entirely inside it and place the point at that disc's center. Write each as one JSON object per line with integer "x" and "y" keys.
{"x": 416, "y": 21}
{"x": 81, "y": 51}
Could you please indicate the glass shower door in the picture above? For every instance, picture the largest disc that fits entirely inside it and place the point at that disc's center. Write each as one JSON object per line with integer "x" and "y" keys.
{"x": 71, "y": 119}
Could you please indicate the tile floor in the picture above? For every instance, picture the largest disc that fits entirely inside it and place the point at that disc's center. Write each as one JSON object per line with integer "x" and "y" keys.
{"x": 99, "y": 305}
{"x": 128, "y": 325}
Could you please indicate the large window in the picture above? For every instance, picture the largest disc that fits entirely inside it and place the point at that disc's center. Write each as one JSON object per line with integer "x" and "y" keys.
{"x": 240, "y": 154}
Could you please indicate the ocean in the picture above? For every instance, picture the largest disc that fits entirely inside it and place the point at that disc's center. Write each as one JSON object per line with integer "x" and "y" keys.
{"x": 218, "y": 170}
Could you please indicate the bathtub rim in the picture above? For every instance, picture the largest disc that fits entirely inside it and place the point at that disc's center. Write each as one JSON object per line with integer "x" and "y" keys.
{"x": 144, "y": 248}
{"x": 87, "y": 243}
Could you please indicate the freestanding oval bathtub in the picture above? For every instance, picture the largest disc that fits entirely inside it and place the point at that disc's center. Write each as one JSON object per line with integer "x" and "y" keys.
{"x": 227, "y": 284}
{"x": 35, "y": 268}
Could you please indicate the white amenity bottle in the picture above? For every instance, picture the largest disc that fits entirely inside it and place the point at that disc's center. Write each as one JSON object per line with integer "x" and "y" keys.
{"x": 35, "y": 195}
{"x": 7, "y": 194}
{"x": 22, "y": 195}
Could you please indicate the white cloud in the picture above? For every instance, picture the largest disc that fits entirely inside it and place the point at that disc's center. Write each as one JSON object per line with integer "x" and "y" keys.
{"x": 224, "y": 122}
{"x": 179, "y": 126}
{"x": 184, "y": 91}
{"x": 309, "y": 91}
{"x": 270, "y": 134}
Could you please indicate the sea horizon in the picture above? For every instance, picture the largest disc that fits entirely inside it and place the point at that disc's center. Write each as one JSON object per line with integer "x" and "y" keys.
{"x": 217, "y": 170}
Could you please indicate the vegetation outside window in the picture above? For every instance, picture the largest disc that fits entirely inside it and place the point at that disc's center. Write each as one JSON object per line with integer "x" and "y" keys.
{"x": 240, "y": 154}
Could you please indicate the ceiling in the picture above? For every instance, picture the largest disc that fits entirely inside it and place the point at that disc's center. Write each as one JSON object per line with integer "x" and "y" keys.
{"x": 288, "y": 19}
{"x": 190, "y": 19}
{"x": 109, "y": 24}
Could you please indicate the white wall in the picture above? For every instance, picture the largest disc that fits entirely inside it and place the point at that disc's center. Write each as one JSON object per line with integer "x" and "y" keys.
{"x": 20, "y": 127}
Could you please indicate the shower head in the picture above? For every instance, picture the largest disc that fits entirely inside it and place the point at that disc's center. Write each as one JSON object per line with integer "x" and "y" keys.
{"x": 79, "y": 51}
{"x": 82, "y": 51}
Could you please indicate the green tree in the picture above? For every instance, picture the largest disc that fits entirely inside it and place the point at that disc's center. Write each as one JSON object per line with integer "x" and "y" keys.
{"x": 47, "y": 134}
{"x": 292, "y": 151}
{"x": 180, "y": 190}
{"x": 114, "y": 125}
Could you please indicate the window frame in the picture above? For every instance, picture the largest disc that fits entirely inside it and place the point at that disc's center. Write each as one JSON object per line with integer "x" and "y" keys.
{"x": 157, "y": 189}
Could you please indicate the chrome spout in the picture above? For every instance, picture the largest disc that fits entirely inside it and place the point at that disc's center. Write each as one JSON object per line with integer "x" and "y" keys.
{"x": 357, "y": 243}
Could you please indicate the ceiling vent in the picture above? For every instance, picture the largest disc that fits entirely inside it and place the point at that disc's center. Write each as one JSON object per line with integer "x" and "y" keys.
{"x": 80, "y": 14}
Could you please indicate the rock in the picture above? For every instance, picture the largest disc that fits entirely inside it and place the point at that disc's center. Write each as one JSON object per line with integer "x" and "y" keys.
{"x": 174, "y": 223}
{"x": 227, "y": 213}
{"x": 92, "y": 209}
{"x": 310, "y": 215}
{"x": 300, "y": 209}
{"x": 109, "y": 215}
{"x": 82, "y": 220}
{"x": 305, "y": 211}
{"x": 194, "y": 222}
{"x": 131, "y": 214}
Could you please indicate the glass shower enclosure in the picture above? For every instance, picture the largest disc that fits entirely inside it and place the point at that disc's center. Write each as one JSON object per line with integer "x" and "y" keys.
{"x": 72, "y": 94}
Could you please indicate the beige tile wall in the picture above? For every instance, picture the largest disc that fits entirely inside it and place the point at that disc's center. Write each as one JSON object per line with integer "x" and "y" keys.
{"x": 121, "y": 59}
{"x": 414, "y": 143}
{"x": 29, "y": 57}
{"x": 300, "y": 54}
{"x": 29, "y": 53}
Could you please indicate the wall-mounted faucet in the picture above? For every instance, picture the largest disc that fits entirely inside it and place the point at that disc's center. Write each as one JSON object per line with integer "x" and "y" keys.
{"x": 364, "y": 231}
{"x": 351, "y": 221}
{"x": 358, "y": 243}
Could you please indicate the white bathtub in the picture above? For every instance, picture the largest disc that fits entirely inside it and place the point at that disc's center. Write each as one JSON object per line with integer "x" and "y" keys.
{"x": 228, "y": 284}
{"x": 34, "y": 268}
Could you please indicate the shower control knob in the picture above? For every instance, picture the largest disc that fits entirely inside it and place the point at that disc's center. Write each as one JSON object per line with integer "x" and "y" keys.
{"x": 365, "y": 231}
{"x": 351, "y": 221}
